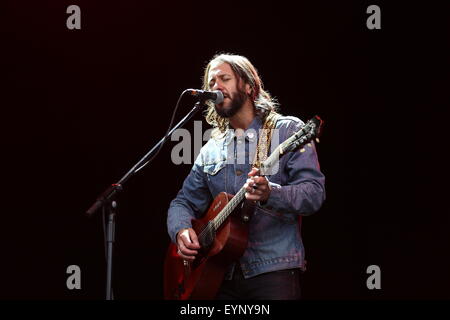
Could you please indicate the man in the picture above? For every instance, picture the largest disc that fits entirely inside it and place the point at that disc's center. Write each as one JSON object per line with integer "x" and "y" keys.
{"x": 274, "y": 257}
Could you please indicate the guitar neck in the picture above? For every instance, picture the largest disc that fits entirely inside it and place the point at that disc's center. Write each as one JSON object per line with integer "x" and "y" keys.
{"x": 228, "y": 209}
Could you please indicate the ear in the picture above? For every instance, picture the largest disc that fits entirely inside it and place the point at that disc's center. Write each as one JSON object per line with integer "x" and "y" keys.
{"x": 248, "y": 89}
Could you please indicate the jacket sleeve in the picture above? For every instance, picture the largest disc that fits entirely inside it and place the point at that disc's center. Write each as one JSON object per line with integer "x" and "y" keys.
{"x": 191, "y": 201}
{"x": 304, "y": 190}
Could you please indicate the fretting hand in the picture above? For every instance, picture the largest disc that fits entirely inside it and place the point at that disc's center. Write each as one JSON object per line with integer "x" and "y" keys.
{"x": 258, "y": 188}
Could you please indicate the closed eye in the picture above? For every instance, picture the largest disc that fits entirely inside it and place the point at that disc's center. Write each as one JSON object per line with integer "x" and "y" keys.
{"x": 223, "y": 77}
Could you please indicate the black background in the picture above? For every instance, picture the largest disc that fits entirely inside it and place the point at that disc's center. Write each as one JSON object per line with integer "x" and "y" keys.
{"x": 80, "y": 107}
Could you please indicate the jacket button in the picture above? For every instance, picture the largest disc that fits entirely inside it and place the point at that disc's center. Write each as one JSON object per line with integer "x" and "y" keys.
{"x": 238, "y": 172}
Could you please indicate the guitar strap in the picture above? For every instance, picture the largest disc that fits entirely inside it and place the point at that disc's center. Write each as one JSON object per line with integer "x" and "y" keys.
{"x": 265, "y": 137}
{"x": 262, "y": 152}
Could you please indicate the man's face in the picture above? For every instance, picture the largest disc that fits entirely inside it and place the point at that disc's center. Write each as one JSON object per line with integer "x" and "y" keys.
{"x": 221, "y": 77}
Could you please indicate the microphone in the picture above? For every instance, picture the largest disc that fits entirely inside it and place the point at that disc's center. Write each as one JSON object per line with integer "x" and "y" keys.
{"x": 215, "y": 96}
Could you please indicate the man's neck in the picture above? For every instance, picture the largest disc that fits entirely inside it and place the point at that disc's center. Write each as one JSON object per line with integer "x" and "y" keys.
{"x": 244, "y": 117}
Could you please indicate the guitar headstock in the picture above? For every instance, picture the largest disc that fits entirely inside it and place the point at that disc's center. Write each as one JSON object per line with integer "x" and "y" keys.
{"x": 311, "y": 130}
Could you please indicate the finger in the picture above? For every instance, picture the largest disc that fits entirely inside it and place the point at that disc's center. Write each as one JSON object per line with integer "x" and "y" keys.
{"x": 254, "y": 189}
{"x": 262, "y": 187}
{"x": 249, "y": 186}
{"x": 251, "y": 189}
{"x": 256, "y": 192}
{"x": 194, "y": 238}
{"x": 253, "y": 172}
{"x": 250, "y": 182}
{"x": 190, "y": 244}
{"x": 185, "y": 236}
{"x": 184, "y": 240}
{"x": 184, "y": 257}
{"x": 252, "y": 197}
{"x": 186, "y": 251}
{"x": 260, "y": 180}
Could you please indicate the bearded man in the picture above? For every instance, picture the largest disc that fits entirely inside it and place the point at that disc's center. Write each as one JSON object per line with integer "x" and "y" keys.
{"x": 274, "y": 258}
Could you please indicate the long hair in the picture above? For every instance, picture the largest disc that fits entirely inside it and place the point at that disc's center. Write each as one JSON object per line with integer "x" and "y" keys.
{"x": 243, "y": 70}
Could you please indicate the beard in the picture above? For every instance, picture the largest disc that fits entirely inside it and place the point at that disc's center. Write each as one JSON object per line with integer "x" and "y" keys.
{"x": 236, "y": 104}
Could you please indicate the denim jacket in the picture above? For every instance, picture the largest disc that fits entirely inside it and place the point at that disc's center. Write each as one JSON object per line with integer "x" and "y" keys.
{"x": 298, "y": 189}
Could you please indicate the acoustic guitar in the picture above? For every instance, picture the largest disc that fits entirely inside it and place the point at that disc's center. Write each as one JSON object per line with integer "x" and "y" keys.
{"x": 223, "y": 232}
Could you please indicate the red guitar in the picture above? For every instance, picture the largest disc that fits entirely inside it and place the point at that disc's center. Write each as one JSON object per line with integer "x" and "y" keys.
{"x": 222, "y": 233}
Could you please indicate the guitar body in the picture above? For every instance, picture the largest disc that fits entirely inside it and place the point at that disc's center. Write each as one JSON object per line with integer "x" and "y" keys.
{"x": 201, "y": 279}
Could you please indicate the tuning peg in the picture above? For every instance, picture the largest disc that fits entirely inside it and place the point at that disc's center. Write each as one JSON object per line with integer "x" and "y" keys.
{"x": 317, "y": 140}
{"x": 302, "y": 150}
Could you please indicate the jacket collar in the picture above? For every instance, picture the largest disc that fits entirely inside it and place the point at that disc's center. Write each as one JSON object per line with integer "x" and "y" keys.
{"x": 250, "y": 135}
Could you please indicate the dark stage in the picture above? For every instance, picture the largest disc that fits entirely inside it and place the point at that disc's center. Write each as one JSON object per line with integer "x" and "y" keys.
{"x": 81, "y": 106}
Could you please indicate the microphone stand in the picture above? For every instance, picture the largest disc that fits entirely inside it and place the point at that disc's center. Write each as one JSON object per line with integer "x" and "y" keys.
{"x": 110, "y": 236}
{"x": 107, "y": 198}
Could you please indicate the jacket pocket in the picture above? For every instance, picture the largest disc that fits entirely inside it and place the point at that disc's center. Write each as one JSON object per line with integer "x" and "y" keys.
{"x": 213, "y": 169}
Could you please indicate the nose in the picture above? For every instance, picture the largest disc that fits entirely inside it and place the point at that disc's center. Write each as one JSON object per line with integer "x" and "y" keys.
{"x": 217, "y": 86}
